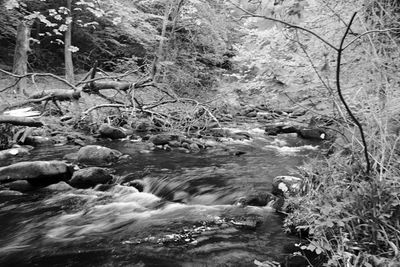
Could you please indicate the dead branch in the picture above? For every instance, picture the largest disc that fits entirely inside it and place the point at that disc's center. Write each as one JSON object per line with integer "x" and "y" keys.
{"x": 103, "y": 106}
{"x": 33, "y": 75}
{"x": 22, "y": 121}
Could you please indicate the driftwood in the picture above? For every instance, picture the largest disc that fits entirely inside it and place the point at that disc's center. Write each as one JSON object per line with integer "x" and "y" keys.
{"x": 23, "y": 121}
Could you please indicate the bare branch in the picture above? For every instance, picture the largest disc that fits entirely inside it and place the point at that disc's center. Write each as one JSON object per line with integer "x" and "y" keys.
{"x": 40, "y": 75}
{"x": 251, "y": 14}
{"x": 104, "y": 106}
{"x": 369, "y": 32}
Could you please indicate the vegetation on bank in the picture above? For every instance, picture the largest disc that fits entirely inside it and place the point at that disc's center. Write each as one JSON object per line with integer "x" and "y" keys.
{"x": 182, "y": 62}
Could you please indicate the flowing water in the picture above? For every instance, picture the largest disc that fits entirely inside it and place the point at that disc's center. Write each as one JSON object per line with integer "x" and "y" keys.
{"x": 186, "y": 215}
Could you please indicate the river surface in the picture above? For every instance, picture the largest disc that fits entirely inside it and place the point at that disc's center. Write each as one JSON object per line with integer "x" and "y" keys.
{"x": 187, "y": 214}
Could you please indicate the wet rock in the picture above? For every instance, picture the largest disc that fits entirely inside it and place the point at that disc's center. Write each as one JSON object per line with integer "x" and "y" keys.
{"x": 313, "y": 133}
{"x": 36, "y": 172}
{"x": 181, "y": 196}
{"x": 174, "y": 143}
{"x": 90, "y": 177}
{"x": 194, "y": 147}
{"x": 10, "y": 193}
{"x": 60, "y": 186}
{"x": 108, "y": 131}
{"x": 279, "y": 128}
{"x": 71, "y": 157}
{"x": 144, "y": 125}
{"x": 256, "y": 199}
{"x": 164, "y": 139}
{"x": 246, "y": 223}
{"x": 229, "y": 133}
{"x": 15, "y": 151}
{"x": 39, "y": 141}
{"x": 98, "y": 155}
{"x": 20, "y": 186}
{"x": 138, "y": 184}
{"x": 287, "y": 186}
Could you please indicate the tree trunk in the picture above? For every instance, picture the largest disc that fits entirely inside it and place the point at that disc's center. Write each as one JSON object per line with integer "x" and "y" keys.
{"x": 160, "y": 51}
{"x": 69, "y": 67}
{"x": 21, "y": 55}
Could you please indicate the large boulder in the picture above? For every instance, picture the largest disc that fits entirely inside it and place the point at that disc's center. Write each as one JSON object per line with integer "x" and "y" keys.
{"x": 36, "y": 172}
{"x": 90, "y": 177}
{"x": 112, "y": 132}
{"x": 98, "y": 155}
{"x": 287, "y": 186}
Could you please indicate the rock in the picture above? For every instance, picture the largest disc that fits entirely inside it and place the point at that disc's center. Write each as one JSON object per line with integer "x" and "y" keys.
{"x": 71, "y": 157}
{"x": 40, "y": 172}
{"x": 259, "y": 199}
{"x": 98, "y": 155}
{"x": 164, "y": 139}
{"x": 20, "y": 186}
{"x": 112, "y": 132}
{"x": 38, "y": 141}
{"x": 194, "y": 147}
{"x": 61, "y": 186}
{"x": 181, "y": 196}
{"x": 90, "y": 177}
{"x": 313, "y": 133}
{"x": 15, "y": 151}
{"x": 174, "y": 143}
{"x": 287, "y": 186}
{"x": 279, "y": 128}
{"x": 10, "y": 193}
{"x": 144, "y": 125}
{"x": 138, "y": 184}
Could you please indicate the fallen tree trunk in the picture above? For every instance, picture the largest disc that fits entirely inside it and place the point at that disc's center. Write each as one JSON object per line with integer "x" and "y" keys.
{"x": 20, "y": 121}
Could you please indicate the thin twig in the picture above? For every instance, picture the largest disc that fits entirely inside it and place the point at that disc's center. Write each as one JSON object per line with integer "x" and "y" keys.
{"x": 40, "y": 74}
{"x": 285, "y": 23}
{"x": 368, "y": 32}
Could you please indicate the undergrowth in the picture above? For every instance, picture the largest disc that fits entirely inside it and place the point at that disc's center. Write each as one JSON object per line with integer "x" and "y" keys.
{"x": 352, "y": 219}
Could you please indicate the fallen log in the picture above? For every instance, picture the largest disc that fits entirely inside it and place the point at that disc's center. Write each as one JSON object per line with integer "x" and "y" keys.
{"x": 23, "y": 121}
{"x": 55, "y": 94}
{"x": 102, "y": 85}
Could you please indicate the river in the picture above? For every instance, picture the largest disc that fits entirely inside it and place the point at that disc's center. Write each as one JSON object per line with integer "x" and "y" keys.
{"x": 187, "y": 214}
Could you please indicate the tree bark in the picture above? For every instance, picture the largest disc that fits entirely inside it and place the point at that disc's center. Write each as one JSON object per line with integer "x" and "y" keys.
{"x": 20, "y": 66}
{"x": 69, "y": 66}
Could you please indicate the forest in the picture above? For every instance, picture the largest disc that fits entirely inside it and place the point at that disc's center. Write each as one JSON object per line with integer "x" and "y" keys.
{"x": 218, "y": 118}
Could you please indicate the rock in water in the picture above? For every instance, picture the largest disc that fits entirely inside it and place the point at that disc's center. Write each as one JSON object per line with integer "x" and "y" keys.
{"x": 90, "y": 177}
{"x": 164, "y": 139}
{"x": 36, "y": 172}
{"x": 98, "y": 155}
{"x": 111, "y": 132}
{"x": 287, "y": 185}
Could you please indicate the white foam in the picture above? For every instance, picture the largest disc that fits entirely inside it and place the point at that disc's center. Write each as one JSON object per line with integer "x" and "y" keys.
{"x": 287, "y": 150}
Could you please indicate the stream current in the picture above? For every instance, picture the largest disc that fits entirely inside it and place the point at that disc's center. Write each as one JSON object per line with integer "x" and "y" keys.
{"x": 186, "y": 215}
